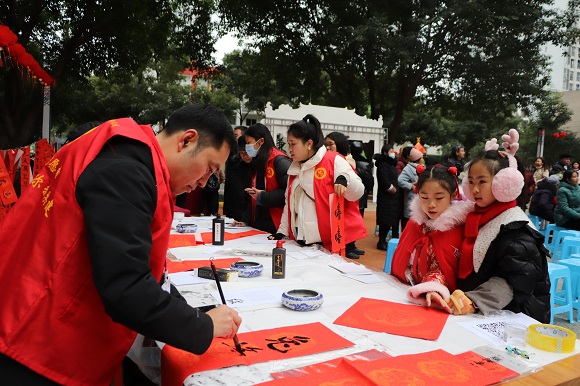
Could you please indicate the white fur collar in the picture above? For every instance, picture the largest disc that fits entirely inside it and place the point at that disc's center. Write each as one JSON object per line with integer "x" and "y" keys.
{"x": 453, "y": 216}
{"x": 489, "y": 232}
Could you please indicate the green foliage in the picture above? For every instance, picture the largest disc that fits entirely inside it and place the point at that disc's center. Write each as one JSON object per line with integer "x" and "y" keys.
{"x": 76, "y": 40}
{"x": 475, "y": 60}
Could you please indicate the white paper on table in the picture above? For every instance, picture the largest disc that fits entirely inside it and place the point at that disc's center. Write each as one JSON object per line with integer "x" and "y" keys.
{"x": 367, "y": 279}
{"x": 214, "y": 249}
{"x": 351, "y": 268}
{"x": 251, "y": 296}
{"x": 491, "y": 328}
{"x": 264, "y": 241}
{"x": 312, "y": 253}
{"x": 297, "y": 255}
{"x": 188, "y": 277}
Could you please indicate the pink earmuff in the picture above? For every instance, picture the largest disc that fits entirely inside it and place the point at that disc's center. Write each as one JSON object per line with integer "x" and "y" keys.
{"x": 507, "y": 184}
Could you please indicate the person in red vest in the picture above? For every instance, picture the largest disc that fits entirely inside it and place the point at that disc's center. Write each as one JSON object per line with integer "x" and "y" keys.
{"x": 314, "y": 175}
{"x": 85, "y": 250}
{"x": 268, "y": 170}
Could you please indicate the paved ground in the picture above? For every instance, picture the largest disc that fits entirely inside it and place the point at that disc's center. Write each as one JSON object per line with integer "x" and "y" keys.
{"x": 376, "y": 259}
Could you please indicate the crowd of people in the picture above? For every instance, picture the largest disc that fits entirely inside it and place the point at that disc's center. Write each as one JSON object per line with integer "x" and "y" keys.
{"x": 464, "y": 246}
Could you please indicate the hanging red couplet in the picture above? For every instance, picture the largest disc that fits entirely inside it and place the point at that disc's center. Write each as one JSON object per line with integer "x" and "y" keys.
{"x": 337, "y": 224}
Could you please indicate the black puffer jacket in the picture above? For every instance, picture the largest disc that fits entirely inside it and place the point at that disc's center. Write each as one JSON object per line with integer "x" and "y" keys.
{"x": 517, "y": 255}
{"x": 388, "y": 207}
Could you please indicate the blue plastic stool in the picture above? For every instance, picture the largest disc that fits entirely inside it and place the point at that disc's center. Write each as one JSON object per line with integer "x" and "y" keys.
{"x": 557, "y": 272}
{"x": 573, "y": 265}
{"x": 558, "y": 243}
{"x": 538, "y": 222}
{"x": 570, "y": 246}
{"x": 551, "y": 230}
{"x": 391, "y": 246}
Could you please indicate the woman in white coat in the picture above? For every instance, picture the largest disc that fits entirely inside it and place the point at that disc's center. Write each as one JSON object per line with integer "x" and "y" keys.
{"x": 313, "y": 176}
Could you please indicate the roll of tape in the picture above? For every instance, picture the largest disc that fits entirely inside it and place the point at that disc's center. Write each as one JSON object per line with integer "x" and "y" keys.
{"x": 551, "y": 338}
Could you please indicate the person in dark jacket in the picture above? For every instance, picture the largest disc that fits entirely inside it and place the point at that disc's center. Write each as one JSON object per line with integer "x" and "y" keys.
{"x": 457, "y": 158}
{"x": 364, "y": 169}
{"x": 269, "y": 179}
{"x": 388, "y": 195}
{"x": 503, "y": 262}
{"x": 567, "y": 212}
{"x": 234, "y": 186}
{"x": 562, "y": 165}
{"x": 543, "y": 199}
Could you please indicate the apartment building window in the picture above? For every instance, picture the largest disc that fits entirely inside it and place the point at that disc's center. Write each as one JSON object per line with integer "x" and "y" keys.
{"x": 577, "y": 86}
{"x": 578, "y": 76}
{"x": 250, "y": 122}
{"x": 570, "y": 86}
{"x": 571, "y": 77}
{"x": 572, "y": 63}
{"x": 573, "y": 53}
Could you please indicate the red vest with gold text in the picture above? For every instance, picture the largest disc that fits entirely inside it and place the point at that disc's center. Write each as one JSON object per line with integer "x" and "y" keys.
{"x": 355, "y": 228}
{"x": 53, "y": 320}
{"x": 272, "y": 184}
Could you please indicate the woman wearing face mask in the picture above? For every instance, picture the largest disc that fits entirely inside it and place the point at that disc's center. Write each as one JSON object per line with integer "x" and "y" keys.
{"x": 268, "y": 169}
{"x": 388, "y": 195}
{"x": 313, "y": 177}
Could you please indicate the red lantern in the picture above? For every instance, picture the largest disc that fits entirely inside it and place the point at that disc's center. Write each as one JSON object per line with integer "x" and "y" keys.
{"x": 7, "y": 37}
{"x": 563, "y": 134}
{"x": 25, "y": 60}
{"x": 556, "y": 135}
{"x": 16, "y": 50}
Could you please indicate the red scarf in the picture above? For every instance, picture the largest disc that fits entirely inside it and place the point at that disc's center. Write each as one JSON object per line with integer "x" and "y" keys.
{"x": 475, "y": 220}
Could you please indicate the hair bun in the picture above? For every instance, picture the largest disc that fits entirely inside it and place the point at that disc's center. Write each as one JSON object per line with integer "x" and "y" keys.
{"x": 452, "y": 170}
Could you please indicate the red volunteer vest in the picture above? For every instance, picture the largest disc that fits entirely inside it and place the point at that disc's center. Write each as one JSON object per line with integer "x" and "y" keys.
{"x": 355, "y": 228}
{"x": 272, "y": 184}
{"x": 53, "y": 320}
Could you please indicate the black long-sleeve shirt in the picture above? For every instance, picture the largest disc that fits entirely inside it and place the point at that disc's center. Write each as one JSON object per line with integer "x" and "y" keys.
{"x": 117, "y": 193}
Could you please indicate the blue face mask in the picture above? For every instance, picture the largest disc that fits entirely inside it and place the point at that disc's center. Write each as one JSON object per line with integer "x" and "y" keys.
{"x": 250, "y": 150}
{"x": 392, "y": 155}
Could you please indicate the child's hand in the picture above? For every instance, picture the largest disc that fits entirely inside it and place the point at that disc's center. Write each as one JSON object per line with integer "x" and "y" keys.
{"x": 339, "y": 189}
{"x": 436, "y": 299}
{"x": 461, "y": 304}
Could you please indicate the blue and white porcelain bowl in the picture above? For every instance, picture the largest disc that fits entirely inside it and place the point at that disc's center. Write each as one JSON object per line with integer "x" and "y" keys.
{"x": 302, "y": 300}
{"x": 247, "y": 268}
{"x": 186, "y": 228}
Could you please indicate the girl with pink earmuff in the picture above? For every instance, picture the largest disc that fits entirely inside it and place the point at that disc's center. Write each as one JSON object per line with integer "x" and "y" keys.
{"x": 503, "y": 261}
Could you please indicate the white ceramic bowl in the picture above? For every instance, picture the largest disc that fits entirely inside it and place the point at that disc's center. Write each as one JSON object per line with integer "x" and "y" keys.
{"x": 247, "y": 268}
{"x": 302, "y": 299}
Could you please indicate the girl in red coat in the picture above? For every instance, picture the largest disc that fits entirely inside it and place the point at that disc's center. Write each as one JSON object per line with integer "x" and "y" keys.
{"x": 427, "y": 256}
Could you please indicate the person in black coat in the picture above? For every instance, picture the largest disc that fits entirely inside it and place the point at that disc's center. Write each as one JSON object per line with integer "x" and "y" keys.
{"x": 388, "y": 208}
{"x": 457, "y": 158}
{"x": 543, "y": 200}
{"x": 234, "y": 186}
{"x": 364, "y": 169}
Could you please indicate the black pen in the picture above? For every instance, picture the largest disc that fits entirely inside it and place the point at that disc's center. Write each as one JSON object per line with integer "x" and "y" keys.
{"x": 219, "y": 286}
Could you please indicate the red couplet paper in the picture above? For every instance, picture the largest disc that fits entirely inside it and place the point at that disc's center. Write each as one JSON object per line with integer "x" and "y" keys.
{"x": 433, "y": 368}
{"x": 394, "y": 318}
{"x": 188, "y": 265}
{"x": 337, "y": 224}
{"x": 341, "y": 374}
{"x": 182, "y": 240}
{"x": 487, "y": 364}
{"x": 329, "y": 366}
{"x": 259, "y": 346}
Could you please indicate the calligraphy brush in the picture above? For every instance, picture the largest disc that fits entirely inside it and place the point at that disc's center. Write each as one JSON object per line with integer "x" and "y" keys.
{"x": 219, "y": 286}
